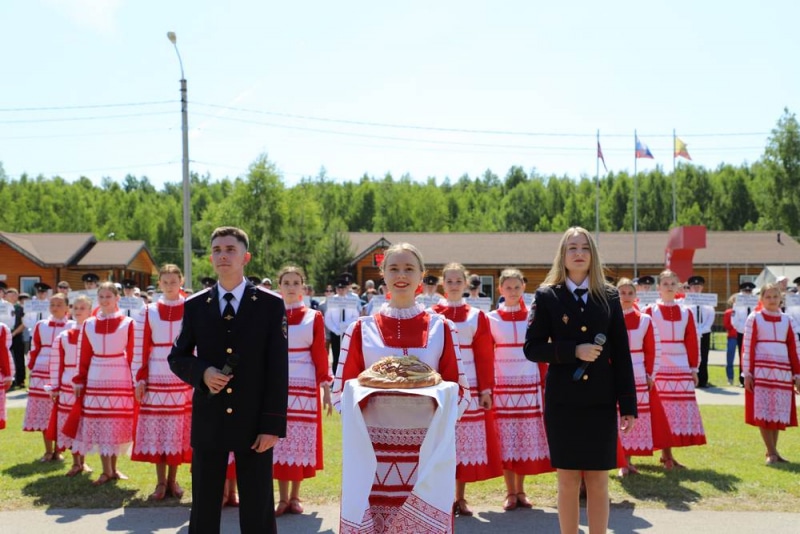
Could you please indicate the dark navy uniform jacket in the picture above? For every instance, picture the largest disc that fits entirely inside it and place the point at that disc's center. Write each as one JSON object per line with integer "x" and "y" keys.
{"x": 557, "y": 325}
{"x": 255, "y": 400}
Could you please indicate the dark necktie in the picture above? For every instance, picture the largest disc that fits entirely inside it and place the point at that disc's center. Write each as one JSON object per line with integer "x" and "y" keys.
{"x": 579, "y": 293}
{"x": 228, "y": 313}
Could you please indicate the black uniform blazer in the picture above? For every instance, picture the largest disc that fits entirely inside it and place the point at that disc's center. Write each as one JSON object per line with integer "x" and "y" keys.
{"x": 255, "y": 400}
{"x": 557, "y": 325}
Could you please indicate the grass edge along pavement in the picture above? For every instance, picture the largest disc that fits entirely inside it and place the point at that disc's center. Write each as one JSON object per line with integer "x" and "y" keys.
{"x": 726, "y": 474}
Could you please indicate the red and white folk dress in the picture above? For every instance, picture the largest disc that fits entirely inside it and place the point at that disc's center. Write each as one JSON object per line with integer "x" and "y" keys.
{"x": 397, "y": 423}
{"x": 63, "y": 366}
{"x": 645, "y": 355}
{"x": 105, "y": 351}
{"x": 680, "y": 355}
{"x": 770, "y": 356}
{"x": 477, "y": 444}
{"x": 6, "y": 369}
{"x": 163, "y": 427}
{"x": 299, "y": 455}
{"x": 518, "y": 395}
{"x": 40, "y": 405}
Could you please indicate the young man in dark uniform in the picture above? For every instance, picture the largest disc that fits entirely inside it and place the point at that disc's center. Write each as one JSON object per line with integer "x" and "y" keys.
{"x": 240, "y": 376}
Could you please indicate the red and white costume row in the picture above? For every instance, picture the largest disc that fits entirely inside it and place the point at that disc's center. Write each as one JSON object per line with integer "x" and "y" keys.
{"x": 299, "y": 455}
{"x": 680, "y": 356}
{"x": 645, "y": 347}
{"x": 477, "y": 444}
{"x": 769, "y": 355}
{"x": 163, "y": 426}
{"x": 518, "y": 396}
{"x": 63, "y": 366}
{"x": 105, "y": 352}
{"x": 40, "y": 405}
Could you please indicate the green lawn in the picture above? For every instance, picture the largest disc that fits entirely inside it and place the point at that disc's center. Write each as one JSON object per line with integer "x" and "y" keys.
{"x": 727, "y": 474}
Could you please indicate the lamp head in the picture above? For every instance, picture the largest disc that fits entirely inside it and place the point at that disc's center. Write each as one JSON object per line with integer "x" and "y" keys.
{"x": 172, "y": 37}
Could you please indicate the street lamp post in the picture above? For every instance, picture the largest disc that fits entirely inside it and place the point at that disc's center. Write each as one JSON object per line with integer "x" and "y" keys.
{"x": 187, "y": 212}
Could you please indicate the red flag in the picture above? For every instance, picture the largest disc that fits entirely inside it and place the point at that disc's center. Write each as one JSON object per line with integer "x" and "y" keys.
{"x": 600, "y": 155}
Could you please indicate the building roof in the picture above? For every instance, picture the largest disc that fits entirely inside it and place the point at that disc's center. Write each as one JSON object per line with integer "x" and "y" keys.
{"x": 51, "y": 250}
{"x": 616, "y": 248}
{"x": 112, "y": 254}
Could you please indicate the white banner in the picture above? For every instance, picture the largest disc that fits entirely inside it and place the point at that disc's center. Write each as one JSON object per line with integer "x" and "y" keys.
{"x": 701, "y": 299}
{"x": 646, "y": 298}
{"x": 37, "y": 306}
{"x": 91, "y": 293}
{"x": 130, "y": 303}
{"x": 792, "y": 300}
{"x": 746, "y": 301}
{"x": 6, "y": 314}
{"x": 347, "y": 303}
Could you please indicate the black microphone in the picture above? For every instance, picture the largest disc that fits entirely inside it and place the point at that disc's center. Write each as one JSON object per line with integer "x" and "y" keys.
{"x": 230, "y": 364}
{"x": 599, "y": 339}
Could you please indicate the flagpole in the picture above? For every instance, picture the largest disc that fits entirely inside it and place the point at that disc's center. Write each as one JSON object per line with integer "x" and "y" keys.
{"x": 597, "y": 193}
{"x": 635, "y": 208}
{"x": 674, "y": 179}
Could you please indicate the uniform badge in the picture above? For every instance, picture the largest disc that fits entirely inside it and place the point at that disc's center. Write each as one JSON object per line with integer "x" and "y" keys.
{"x": 565, "y": 318}
{"x": 208, "y": 300}
{"x": 285, "y": 327}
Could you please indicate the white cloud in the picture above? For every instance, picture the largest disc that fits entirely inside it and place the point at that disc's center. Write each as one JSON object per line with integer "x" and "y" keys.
{"x": 98, "y": 15}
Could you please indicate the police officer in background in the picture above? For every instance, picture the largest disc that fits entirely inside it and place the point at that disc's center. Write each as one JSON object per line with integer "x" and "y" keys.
{"x": 644, "y": 283}
{"x": 704, "y": 319}
{"x": 739, "y": 318}
{"x": 90, "y": 281}
{"x": 338, "y": 317}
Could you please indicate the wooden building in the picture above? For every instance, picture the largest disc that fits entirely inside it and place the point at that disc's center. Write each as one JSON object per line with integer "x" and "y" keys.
{"x": 26, "y": 259}
{"x": 728, "y": 259}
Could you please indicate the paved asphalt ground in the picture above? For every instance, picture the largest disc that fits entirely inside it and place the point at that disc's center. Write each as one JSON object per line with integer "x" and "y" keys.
{"x": 325, "y": 518}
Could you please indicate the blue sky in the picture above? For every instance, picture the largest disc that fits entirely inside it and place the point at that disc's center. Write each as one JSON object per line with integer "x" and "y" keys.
{"x": 403, "y": 87}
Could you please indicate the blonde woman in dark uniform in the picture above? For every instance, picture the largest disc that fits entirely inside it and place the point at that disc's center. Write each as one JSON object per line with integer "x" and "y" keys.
{"x": 577, "y": 326}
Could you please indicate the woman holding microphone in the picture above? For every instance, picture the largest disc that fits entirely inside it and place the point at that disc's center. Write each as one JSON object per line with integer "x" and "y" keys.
{"x": 577, "y": 326}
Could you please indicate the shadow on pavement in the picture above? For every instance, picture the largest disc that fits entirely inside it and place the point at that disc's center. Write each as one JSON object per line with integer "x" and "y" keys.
{"x": 58, "y": 491}
{"x": 671, "y": 490}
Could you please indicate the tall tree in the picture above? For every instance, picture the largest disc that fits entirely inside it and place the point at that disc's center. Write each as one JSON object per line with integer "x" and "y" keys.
{"x": 334, "y": 253}
{"x": 782, "y": 158}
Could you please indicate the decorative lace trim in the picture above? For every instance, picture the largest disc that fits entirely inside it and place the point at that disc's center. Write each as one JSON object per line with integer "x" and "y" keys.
{"x": 522, "y": 439}
{"x": 295, "y": 305}
{"x": 451, "y": 304}
{"x": 106, "y": 436}
{"x": 299, "y": 447}
{"x": 397, "y": 436}
{"x": 471, "y": 442}
{"x": 505, "y": 308}
{"x": 163, "y": 434}
{"x": 401, "y": 313}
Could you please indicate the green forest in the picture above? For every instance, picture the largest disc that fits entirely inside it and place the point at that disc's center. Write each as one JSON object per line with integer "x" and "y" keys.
{"x": 305, "y": 224}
